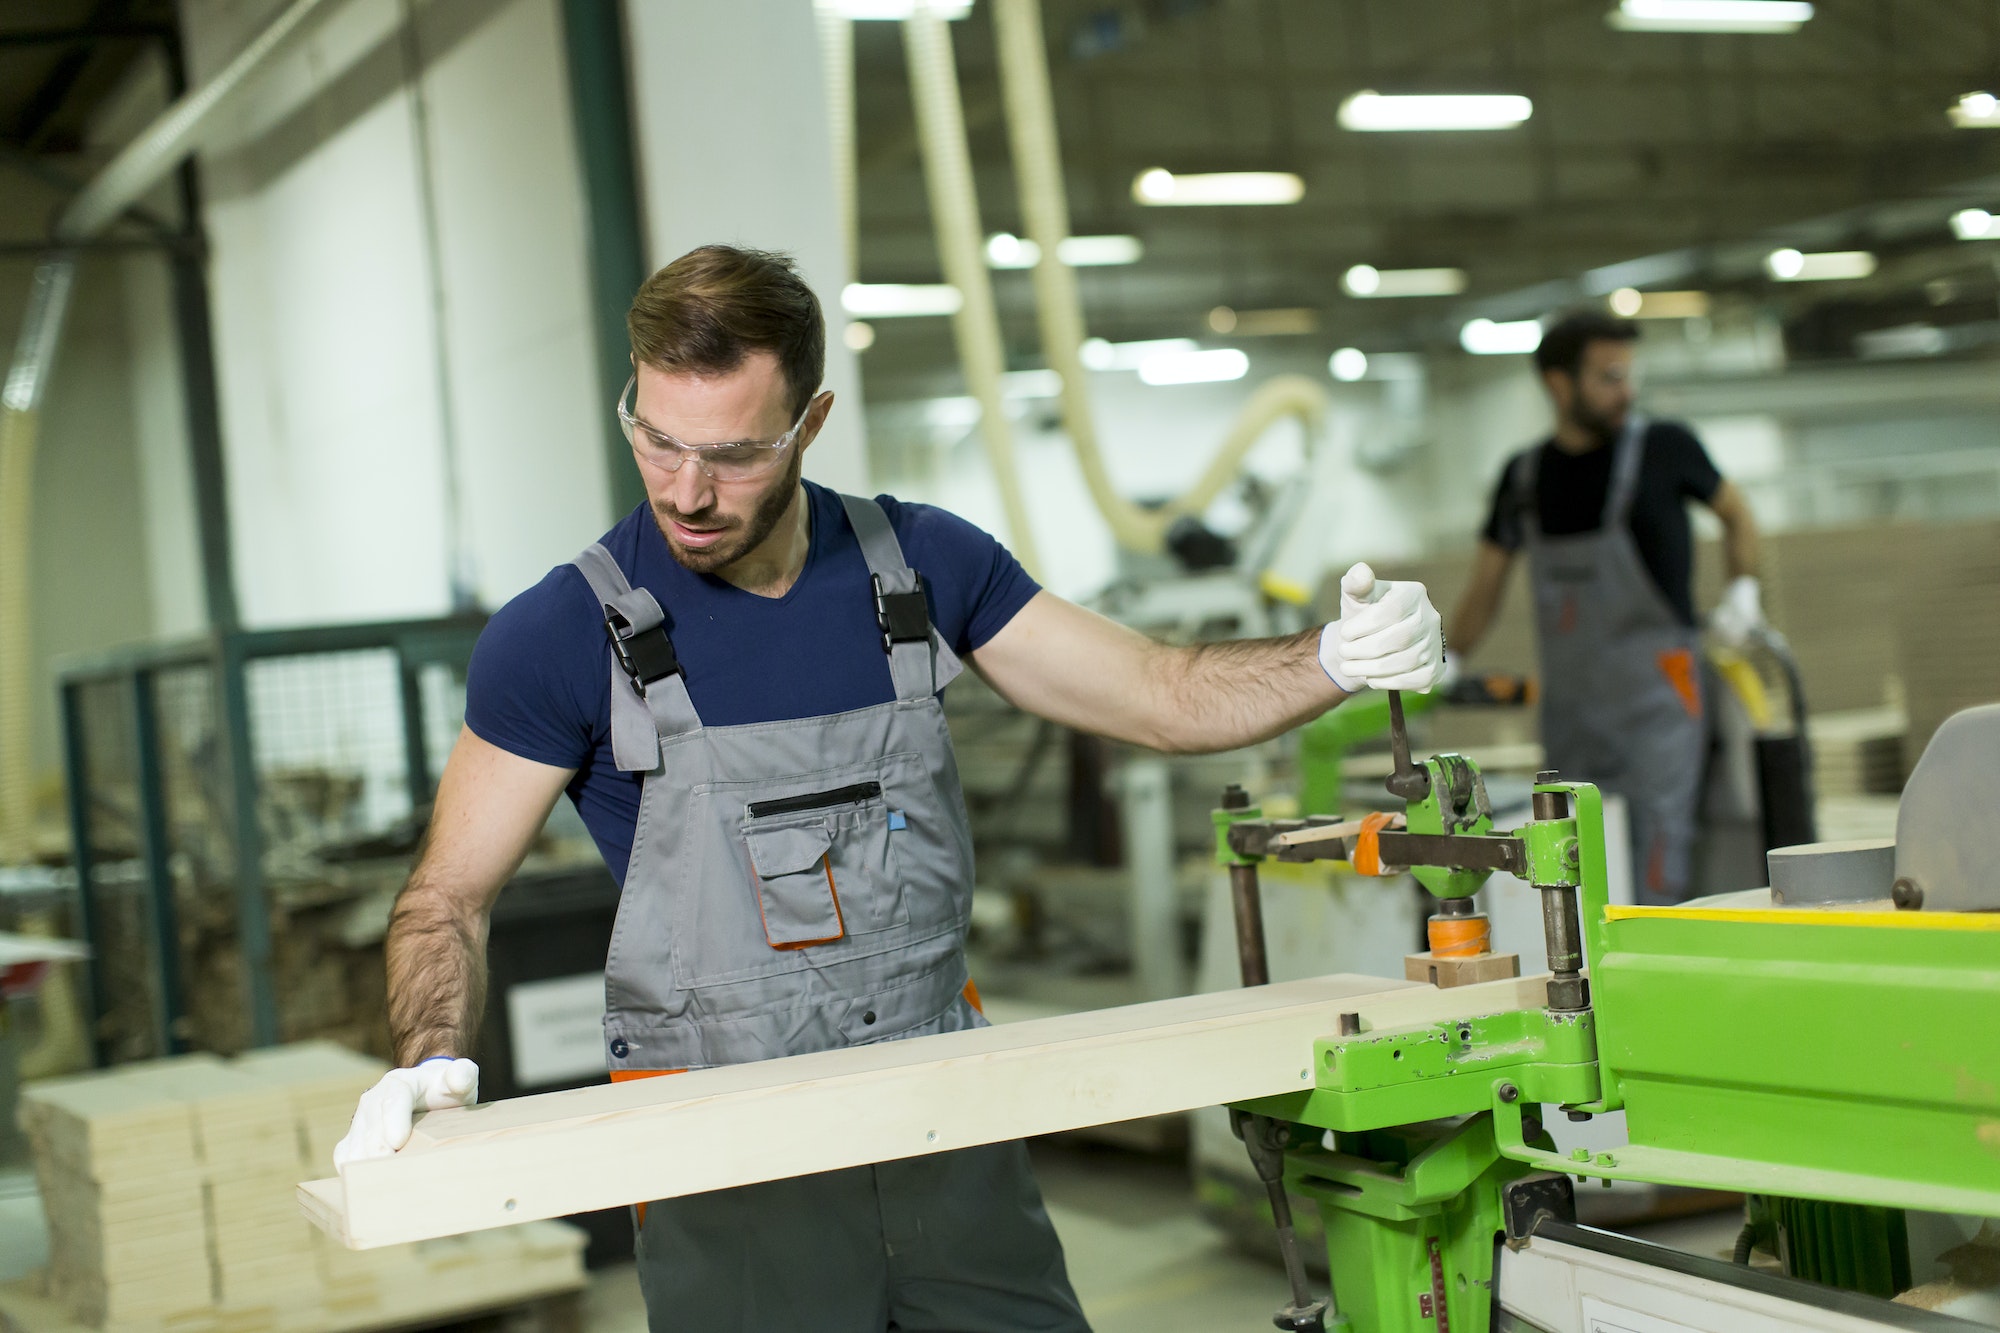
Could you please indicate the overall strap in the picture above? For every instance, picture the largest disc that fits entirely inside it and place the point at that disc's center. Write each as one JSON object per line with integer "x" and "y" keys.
{"x": 649, "y": 698}
{"x": 920, "y": 662}
{"x": 1624, "y": 484}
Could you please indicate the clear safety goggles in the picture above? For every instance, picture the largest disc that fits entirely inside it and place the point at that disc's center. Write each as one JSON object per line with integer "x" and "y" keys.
{"x": 736, "y": 460}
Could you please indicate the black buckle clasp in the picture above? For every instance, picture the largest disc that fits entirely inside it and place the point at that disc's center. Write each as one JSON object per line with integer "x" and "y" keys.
{"x": 905, "y": 617}
{"x": 644, "y": 657}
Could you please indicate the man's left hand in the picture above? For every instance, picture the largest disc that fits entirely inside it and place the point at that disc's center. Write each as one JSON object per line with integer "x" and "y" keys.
{"x": 1740, "y": 614}
{"x": 1388, "y": 637}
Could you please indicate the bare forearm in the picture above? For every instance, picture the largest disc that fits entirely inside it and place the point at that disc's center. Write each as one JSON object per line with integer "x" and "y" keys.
{"x": 436, "y": 952}
{"x": 1220, "y": 696}
{"x": 1469, "y": 622}
{"x": 1740, "y": 547}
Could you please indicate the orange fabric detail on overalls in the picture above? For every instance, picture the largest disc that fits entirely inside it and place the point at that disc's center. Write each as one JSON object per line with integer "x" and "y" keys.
{"x": 626, "y": 1076}
{"x": 1677, "y": 665}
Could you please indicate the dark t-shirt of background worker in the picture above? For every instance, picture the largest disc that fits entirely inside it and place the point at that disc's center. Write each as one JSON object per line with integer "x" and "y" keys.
{"x": 1570, "y": 491}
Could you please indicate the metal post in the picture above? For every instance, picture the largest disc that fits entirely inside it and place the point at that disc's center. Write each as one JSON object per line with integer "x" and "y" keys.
{"x": 1147, "y": 806}
{"x": 601, "y": 112}
{"x": 156, "y": 853}
{"x": 253, "y": 913}
{"x": 83, "y": 857}
{"x": 416, "y": 755}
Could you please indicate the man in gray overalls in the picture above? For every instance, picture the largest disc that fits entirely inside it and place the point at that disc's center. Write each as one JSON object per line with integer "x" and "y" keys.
{"x": 1600, "y": 508}
{"x": 738, "y": 685}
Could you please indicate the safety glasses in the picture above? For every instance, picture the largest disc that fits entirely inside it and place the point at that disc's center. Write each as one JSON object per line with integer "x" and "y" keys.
{"x": 737, "y": 460}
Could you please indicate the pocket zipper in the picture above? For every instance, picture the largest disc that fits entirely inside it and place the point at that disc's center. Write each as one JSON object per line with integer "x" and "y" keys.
{"x": 792, "y": 805}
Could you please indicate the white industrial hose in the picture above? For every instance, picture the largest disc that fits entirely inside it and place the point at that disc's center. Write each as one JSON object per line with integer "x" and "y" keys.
{"x": 20, "y": 419}
{"x": 836, "y": 54}
{"x": 1031, "y": 129}
{"x": 961, "y": 246}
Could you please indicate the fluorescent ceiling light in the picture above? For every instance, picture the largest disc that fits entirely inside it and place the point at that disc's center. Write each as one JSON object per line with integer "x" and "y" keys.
{"x": 1976, "y": 111}
{"x": 1709, "y": 15}
{"x": 1206, "y": 366}
{"x": 1100, "y": 251}
{"x": 1904, "y": 340}
{"x": 895, "y": 9}
{"x": 1483, "y": 337}
{"x": 1377, "y": 112}
{"x": 894, "y": 300}
{"x": 1826, "y": 266}
{"x": 1030, "y": 384}
{"x": 1286, "y": 321}
{"x": 1004, "y": 250}
{"x": 1367, "y": 281}
{"x": 1630, "y": 303}
{"x": 1163, "y": 189}
{"x": 1097, "y": 354}
{"x": 1975, "y": 224}
{"x": 1348, "y": 364}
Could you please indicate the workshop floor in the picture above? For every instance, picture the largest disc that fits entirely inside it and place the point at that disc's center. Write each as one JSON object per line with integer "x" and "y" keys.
{"x": 1142, "y": 1259}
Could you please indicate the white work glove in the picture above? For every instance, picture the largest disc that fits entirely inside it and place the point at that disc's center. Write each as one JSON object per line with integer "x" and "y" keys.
{"x": 1388, "y": 637}
{"x": 381, "y": 1123}
{"x": 1740, "y": 613}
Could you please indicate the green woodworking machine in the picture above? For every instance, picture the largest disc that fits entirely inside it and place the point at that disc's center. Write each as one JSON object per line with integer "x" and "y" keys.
{"x": 1831, "y": 1048}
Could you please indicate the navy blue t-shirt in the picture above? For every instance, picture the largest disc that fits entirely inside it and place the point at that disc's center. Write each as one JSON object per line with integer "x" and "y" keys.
{"x": 539, "y": 685}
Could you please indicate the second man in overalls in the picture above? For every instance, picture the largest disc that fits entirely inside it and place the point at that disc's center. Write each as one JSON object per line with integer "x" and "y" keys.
{"x": 1600, "y": 507}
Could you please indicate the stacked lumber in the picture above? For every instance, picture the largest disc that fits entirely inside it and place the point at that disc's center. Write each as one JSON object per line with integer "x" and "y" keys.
{"x": 1858, "y": 752}
{"x": 1949, "y": 630}
{"x": 169, "y": 1191}
{"x": 120, "y": 1172}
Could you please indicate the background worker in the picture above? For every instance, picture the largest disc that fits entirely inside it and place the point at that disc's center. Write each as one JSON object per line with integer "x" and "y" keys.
{"x": 1600, "y": 509}
{"x": 739, "y": 688}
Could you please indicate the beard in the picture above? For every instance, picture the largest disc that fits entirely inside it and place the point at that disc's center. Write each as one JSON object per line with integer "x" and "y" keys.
{"x": 741, "y": 535}
{"x": 1604, "y": 427}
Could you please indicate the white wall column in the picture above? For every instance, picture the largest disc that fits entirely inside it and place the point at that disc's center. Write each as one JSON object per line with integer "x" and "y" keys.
{"x": 734, "y": 147}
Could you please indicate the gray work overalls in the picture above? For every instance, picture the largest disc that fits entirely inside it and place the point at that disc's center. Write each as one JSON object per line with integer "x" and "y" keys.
{"x": 1621, "y": 682}
{"x": 797, "y": 886}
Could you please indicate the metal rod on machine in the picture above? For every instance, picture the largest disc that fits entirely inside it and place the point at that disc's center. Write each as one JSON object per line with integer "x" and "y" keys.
{"x": 1562, "y": 926}
{"x": 1406, "y": 780}
{"x": 1263, "y": 1137}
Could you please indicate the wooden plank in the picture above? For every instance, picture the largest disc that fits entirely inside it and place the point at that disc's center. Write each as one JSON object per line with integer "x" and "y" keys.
{"x": 605, "y": 1147}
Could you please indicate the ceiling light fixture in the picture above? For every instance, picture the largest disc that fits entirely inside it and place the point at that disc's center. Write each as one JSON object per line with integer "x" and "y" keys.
{"x": 1976, "y": 111}
{"x": 1975, "y": 224}
{"x": 895, "y": 9}
{"x": 1631, "y": 303}
{"x": 897, "y": 300}
{"x": 1161, "y": 188}
{"x": 1748, "y": 16}
{"x": 1212, "y": 365}
{"x": 1097, "y": 354}
{"x": 1484, "y": 337}
{"x": 1826, "y": 266}
{"x": 1007, "y": 251}
{"x": 1348, "y": 364}
{"x": 1372, "y": 112}
{"x": 858, "y": 335}
{"x": 1368, "y": 282}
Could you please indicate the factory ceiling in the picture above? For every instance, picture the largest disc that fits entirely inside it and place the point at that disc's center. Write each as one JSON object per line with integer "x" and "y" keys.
{"x": 1708, "y": 150}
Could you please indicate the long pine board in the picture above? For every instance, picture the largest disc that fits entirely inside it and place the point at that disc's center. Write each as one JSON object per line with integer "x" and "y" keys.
{"x": 609, "y": 1146}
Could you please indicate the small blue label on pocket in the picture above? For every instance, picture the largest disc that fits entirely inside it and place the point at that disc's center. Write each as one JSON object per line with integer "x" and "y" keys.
{"x": 896, "y": 821}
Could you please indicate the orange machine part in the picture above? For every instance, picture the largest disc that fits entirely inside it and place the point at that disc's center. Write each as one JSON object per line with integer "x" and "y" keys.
{"x": 1366, "y": 858}
{"x": 1460, "y": 936}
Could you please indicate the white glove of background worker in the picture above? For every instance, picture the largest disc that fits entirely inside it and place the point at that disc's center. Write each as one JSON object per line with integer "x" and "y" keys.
{"x": 1740, "y": 613}
{"x": 1388, "y": 637}
{"x": 381, "y": 1124}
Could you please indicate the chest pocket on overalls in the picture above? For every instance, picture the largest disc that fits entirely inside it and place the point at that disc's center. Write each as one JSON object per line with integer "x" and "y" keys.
{"x": 800, "y": 872}
{"x": 824, "y": 865}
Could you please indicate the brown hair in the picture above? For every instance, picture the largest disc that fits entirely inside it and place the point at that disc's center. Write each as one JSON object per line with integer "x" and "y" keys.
{"x": 711, "y": 307}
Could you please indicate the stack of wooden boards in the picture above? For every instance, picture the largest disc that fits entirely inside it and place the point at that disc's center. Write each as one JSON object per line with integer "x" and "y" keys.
{"x": 168, "y": 1188}
{"x": 1858, "y": 752}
